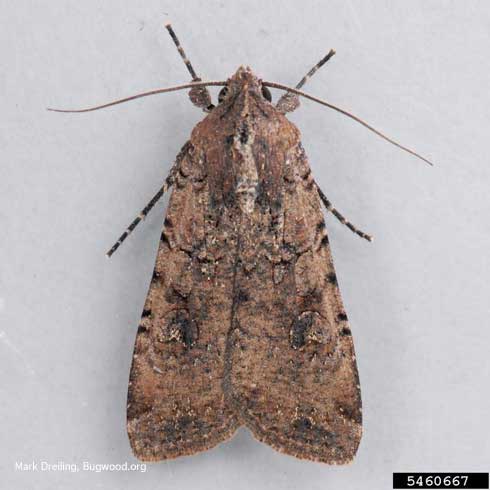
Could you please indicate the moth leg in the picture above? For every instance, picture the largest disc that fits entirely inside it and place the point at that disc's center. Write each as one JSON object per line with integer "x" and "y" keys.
{"x": 340, "y": 217}
{"x": 290, "y": 102}
{"x": 199, "y": 96}
{"x": 142, "y": 215}
{"x": 167, "y": 184}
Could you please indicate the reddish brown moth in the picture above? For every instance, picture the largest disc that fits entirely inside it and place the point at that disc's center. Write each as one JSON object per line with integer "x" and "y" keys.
{"x": 244, "y": 324}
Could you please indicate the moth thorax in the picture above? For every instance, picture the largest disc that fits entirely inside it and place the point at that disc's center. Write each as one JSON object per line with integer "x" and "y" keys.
{"x": 246, "y": 172}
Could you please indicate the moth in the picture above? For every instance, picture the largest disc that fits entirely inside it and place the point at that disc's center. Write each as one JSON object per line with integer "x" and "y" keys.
{"x": 244, "y": 324}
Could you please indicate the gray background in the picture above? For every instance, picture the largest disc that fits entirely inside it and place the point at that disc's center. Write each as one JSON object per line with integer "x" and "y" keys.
{"x": 417, "y": 298}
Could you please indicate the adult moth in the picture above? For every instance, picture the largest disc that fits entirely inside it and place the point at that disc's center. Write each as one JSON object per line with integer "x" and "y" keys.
{"x": 244, "y": 323}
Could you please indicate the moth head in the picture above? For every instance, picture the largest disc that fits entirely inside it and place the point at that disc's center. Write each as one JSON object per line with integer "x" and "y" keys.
{"x": 244, "y": 81}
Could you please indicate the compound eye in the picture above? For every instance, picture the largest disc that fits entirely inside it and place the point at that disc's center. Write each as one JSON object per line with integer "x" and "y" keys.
{"x": 222, "y": 94}
{"x": 266, "y": 93}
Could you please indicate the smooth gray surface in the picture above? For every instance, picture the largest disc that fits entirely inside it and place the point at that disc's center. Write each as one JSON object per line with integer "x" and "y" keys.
{"x": 417, "y": 298}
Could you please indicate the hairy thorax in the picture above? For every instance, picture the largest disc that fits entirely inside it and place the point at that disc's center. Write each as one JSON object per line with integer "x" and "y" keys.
{"x": 243, "y": 168}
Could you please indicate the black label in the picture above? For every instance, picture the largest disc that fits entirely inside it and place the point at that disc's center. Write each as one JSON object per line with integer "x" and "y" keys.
{"x": 440, "y": 480}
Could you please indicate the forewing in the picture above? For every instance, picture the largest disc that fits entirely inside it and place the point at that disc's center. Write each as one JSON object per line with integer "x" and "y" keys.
{"x": 176, "y": 404}
{"x": 292, "y": 372}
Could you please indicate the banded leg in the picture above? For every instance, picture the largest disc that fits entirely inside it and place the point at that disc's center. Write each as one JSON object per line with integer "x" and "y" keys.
{"x": 199, "y": 96}
{"x": 167, "y": 184}
{"x": 340, "y": 217}
{"x": 290, "y": 102}
{"x": 142, "y": 215}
